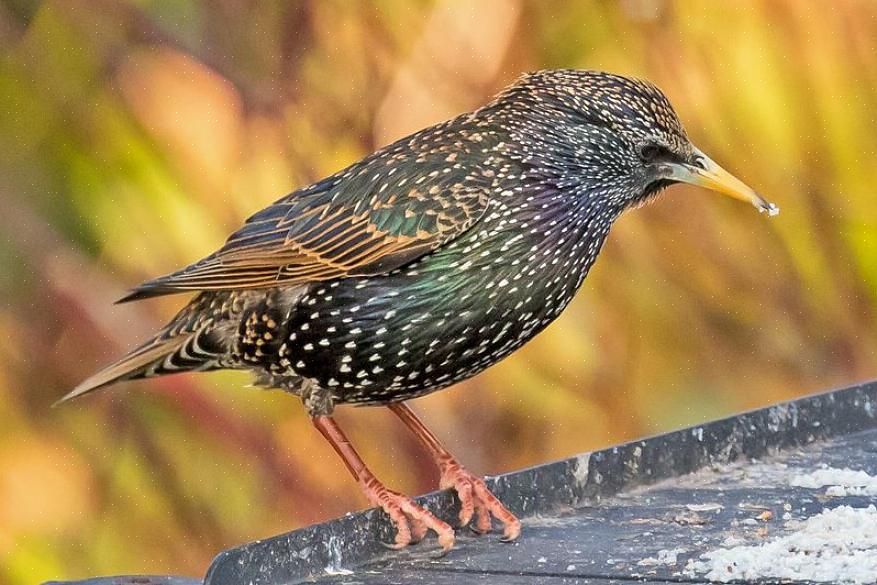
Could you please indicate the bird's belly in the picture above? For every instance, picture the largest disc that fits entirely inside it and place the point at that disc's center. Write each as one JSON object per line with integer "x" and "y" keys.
{"x": 440, "y": 321}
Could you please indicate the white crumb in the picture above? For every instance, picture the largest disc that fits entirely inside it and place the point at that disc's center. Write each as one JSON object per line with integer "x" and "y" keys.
{"x": 838, "y": 545}
{"x": 665, "y": 557}
{"x": 541, "y": 560}
{"x": 733, "y": 541}
{"x": 570, "y": 567}
{"x": 839, "y": 482}
{"x": 704, "y": 507}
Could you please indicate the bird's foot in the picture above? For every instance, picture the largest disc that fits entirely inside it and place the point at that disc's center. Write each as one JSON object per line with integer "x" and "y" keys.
{"x": 476, "y": 500}
{"x": 412, "y": 521}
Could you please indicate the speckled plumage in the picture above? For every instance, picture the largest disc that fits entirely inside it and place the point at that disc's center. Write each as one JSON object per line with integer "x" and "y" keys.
{"x": 429, "y": 260}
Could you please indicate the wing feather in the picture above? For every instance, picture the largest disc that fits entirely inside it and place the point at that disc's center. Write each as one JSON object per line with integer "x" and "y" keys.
{"x": 370, "y": 218}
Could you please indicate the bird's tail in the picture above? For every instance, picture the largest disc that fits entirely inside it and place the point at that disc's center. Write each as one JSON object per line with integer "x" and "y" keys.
{"x": 188, "y": 343}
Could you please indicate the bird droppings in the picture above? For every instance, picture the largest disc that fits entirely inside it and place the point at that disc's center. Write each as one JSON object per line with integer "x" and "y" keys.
{"x": 839, "y": 482}
{"x": 333, "y": 571}
{"x": 580, "y": 472}
{"x": 334, "y": 567}
{"x": 838, "y": 545}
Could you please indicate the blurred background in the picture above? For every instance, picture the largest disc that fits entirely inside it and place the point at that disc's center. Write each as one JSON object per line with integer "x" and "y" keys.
{"x": 135, "y": 135}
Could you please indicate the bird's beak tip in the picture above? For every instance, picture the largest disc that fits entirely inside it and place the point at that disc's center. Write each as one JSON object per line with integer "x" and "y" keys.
{"x": 770, "y": 208}
{"x": 707, "y": 173}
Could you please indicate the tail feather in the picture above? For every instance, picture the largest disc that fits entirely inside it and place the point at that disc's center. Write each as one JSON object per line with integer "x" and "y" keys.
{"x": 141, "y": 363}
{"x": 186, "y": 344}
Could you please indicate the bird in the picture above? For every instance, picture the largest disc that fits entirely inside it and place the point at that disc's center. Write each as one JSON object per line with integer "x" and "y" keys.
{"x": 426, "y": 262}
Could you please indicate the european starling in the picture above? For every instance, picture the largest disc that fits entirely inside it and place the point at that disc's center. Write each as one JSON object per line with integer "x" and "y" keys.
{"x": 428, "y": 261}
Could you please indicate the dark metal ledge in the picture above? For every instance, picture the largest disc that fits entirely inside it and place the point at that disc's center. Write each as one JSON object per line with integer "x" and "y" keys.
{"x": 546, "y": 495}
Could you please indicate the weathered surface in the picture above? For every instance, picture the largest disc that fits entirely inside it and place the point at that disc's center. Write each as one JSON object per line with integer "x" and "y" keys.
{"x": 634, "y": 535}
{"x": 605, "y": 517}
{"x": 549, "y": 489}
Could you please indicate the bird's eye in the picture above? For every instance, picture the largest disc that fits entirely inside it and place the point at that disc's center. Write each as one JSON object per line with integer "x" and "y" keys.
{"x": 651, "y": 152}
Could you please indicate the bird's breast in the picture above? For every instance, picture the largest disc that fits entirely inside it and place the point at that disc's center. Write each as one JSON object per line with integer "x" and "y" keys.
{"x": 447, "y": 316}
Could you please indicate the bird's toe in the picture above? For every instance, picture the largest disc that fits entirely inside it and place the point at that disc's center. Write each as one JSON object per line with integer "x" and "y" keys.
{"x": 411, "y": 520}
{"x": 426, "y": 520}
{"x": 478, "y": 501}
{"x": 511, "y": 524}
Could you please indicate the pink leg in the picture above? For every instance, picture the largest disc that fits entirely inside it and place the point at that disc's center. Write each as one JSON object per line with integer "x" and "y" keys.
{"x": 411, "y": 521}
{"x": 475, "y": 498}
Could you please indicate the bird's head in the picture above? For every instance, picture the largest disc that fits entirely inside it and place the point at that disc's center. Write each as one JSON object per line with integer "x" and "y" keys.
{"x": 613, "y": 135}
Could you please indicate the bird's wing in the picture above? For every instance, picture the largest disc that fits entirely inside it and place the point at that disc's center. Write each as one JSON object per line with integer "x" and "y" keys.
{"x": 371, "y": 218}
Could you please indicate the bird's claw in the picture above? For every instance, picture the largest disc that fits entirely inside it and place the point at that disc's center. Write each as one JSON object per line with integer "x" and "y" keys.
{"x": 412, "y": 521}
{"x": 477, "y": 500}
{"x": 476, "y": 531}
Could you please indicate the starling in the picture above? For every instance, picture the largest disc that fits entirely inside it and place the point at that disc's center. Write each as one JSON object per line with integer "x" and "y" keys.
{"x": 427, "y": 262}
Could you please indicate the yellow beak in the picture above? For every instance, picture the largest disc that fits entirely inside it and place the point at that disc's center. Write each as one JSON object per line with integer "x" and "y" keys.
{"x": 712, "y": 176}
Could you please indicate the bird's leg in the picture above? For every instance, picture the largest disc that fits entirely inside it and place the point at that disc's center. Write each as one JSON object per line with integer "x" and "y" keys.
{"x": 411, "y": 521}
{"x": 474, "y": 496}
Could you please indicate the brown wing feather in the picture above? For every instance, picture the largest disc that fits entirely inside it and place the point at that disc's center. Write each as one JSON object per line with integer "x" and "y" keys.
{"x": 371, "y": 218}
